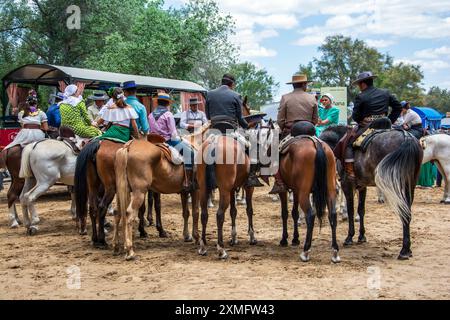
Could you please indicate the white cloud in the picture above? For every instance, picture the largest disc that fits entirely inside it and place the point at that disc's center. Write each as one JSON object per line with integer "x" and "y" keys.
{"x": 431, "y": 66}
{"x": 433, "y": 53}
{"x": 380, "y": 43}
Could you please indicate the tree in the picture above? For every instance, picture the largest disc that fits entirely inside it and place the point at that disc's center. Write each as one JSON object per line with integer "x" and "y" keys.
{"x": 255, "y": 83}
{"x": 439, "y": 99}
{"x": 404, "y": 81}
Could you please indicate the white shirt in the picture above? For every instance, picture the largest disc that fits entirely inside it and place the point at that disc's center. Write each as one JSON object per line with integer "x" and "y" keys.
{"x": 192, "y": 118}
{"x": 411, "y": 118}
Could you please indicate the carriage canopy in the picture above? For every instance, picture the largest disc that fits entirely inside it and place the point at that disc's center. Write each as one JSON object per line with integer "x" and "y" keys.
{"x": 431, "y": 118}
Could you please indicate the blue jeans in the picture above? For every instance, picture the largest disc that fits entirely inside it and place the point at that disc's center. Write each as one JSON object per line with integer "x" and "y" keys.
{"x": 186, "y": 151}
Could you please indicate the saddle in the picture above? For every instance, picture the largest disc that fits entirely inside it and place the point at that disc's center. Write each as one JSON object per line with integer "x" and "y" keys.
{"x": 290, "y": 140}
{"x": 375, "y": 128}
{"x": 67, "y": 135}
{"x": 170, "y": 154}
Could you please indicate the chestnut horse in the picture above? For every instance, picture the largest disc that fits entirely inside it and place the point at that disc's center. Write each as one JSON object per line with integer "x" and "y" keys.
{"x": 230, "y": 168}
{"x": 309, "y": 167}
{"x": 141, "y": 166}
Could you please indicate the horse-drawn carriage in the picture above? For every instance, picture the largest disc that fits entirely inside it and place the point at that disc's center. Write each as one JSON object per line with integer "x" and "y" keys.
{"x": 16, "y": 84}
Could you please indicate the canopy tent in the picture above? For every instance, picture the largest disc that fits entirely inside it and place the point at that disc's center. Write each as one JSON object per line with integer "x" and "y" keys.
{"x": 431, "y": 118}
{"x": 445, "y": 124}
{"x": 51, "y": 75}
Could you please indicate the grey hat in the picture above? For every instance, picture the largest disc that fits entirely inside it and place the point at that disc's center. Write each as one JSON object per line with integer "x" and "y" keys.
{"x": 99, "y": 96}
{"x": 364, "y": 76}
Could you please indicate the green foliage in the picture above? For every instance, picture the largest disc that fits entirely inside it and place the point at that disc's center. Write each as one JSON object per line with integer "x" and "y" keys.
{"x": 255, "y": 83}
{"x": 438, "y": 98}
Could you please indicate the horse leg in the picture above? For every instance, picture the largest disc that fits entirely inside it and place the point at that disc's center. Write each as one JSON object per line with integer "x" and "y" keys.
{"x": 142, "y": 233}
{"x": 195, "y": 216}
{"x": 349, "y": 196}
{"x": 32, "y": 195}
{"x": 224, "y": 203}
{"x": 361, "y": 213}
{"x": 305, "y": 205}
{"x": 204, "y": 198}
{"x": 249, "y": 201}
{"x": 406, "y": 252}
{"x": 295, "y": 217}
{"x": 137, "y": 199}
{"x": 159, "y": 226}
{"x": 73, "y": 208}
{"x": 185, "y": 206}
{"x": 26, "y": 218}
{"x": 102, "y": 210}
{"x": 13, "y": 195}
{"x": 116, "y": 238}
{"x": 150, "y": 208}
{"x": 284, "y": 218}
{"x": 233, "y": 213}
{"x": 332, "y": 218}
{"x": 445, "y": 172}
{"x": 93, "y": 209}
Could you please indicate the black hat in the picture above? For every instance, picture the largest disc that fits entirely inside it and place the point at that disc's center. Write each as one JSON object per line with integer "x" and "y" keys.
{"x": 364, "y": 76}
{"x": 194, "y": 101}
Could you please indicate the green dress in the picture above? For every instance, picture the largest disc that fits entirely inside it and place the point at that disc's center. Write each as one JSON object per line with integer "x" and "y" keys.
{"x": 428, "y": 174}
{"x": 331, "y": 114}
{"x": 76, "y": 118}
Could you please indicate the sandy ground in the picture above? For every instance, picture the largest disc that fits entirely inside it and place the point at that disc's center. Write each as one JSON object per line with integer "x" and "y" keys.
{"x": 45, "y": 266}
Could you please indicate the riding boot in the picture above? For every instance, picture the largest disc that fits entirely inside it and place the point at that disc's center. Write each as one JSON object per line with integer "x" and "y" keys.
{"x": 350, "y": 171}
{"x": 253, "y": 180}
{"x": 279, "y": 186}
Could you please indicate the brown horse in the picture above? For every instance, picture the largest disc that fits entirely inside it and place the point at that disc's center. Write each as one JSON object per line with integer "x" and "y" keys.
{"x": 309, "y": 167}
{"x": 142, "y": 166}
{"x": 11, "y": 161}
{"x": 229, "y": 166}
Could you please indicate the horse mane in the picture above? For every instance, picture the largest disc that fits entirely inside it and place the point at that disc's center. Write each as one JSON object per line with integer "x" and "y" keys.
{"x": 333, "y": 134}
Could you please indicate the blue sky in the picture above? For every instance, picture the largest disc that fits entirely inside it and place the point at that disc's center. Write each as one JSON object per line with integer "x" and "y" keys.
{"x": 280, "y": 35}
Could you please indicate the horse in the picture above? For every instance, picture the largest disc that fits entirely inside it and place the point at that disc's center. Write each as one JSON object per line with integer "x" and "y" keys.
{"x": 142, "y": 166}
{"x": 437, "y": 148}
{"x": 230, "y": 171}
{"x": 43, "y": 164}
{"x": 308, "y": 167}
{"x": 392, "y": 163}
{"x": 11, "y": 161}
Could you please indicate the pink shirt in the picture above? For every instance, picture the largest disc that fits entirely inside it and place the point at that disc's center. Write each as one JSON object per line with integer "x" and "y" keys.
{"x": 165, "y": 126}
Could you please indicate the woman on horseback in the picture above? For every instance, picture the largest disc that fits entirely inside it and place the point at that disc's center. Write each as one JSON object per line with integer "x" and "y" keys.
{"x": 74, "y": 114}
{"x": 33, "y": 122}
{"x": 120, "y": 117}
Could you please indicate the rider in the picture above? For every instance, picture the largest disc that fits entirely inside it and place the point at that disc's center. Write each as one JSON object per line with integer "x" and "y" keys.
{"x": 162, "y": 123}
{"x": 224, "y": 105}
{"x": 370, "y": 105}
{"x": 74, "y": 114}
{"x": 411, "y": 121}
{"x": 294, "y": 107}
{"x": 130, "y": 90}
{"x": 193, "y": 118}
{"x": 33, "y": 121}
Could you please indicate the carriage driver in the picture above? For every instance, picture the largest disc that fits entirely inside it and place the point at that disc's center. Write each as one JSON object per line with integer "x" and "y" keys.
{"x": 224, "y": 105}
{"x": 370, "y": 105}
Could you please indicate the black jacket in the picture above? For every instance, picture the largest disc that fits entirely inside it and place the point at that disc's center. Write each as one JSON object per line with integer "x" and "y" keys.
{"x": 374, "y": 101}
{"x": 225, "y": 102}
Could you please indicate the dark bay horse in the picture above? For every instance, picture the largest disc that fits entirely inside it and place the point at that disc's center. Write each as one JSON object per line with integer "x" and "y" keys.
{"x": 309, "y": 167}
{"x": 392, "y": 163}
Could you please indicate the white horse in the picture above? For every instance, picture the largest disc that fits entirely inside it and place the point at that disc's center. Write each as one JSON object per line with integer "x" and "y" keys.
{"x": 44, "y": 164}
{"x": 437, "y": 148}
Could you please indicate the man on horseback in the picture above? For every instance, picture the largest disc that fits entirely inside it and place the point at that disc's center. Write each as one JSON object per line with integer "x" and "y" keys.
{"x": 130, "y": 90}
{"x": 224, "y": 109}
{"x": 370, "y": 105}
{"x": 162, "y": 123}
{"x": 294, "y": 107}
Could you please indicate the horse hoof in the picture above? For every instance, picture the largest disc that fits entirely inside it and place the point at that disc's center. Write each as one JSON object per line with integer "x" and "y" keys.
{"x": 304, "y": 257}
{"x": 405, "y": 256}
{"x": 284, "y": 243}
{"x": 348, "y": 242}
{"x": 116, "y": 252}
{"x": 253, "y": 242}
{"x": 163, "y": 235}
{"x": 35, "y": 221}
{"x": 188, "y": 239}
{"x": 143, "y": 235}
{"x": 14, "y": 225}
{"x": 223, "y": 255}
{"x": 130, "y": 257}
{"x": 203, "y": 252}
{"x": 234, "y": 242}
{"x": 335, "y": 257}
{"x": 83, "y": 233}
{"x": 101, "y": 245}
{"x": 362, "y": 240}
{"x": 295, "y": 243}
{"x": 32, "y": 231}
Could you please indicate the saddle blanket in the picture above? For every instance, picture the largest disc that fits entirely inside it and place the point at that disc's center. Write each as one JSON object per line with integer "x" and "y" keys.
{"x": 283, "y": 148}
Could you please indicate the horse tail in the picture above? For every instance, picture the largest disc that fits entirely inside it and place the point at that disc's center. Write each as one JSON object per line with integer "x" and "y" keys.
{"x": 396, "y": 177}
{"x": 320, "y": 185}
{"x": 25, "y": 165}
{"x": 86, "y": 155}
{"x": 122, "y": 185}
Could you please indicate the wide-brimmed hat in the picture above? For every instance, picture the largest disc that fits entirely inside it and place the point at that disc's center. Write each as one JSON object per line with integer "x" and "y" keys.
{"x": 299, "y": 78}
{"x": 194, "y": 101}
{"x": 59, "y": 96}
{"x": 364, "y": 76}
{"x": 164, "y": 96}
{"x": 129, "y": 85}
{"x": 99, "y": 96}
